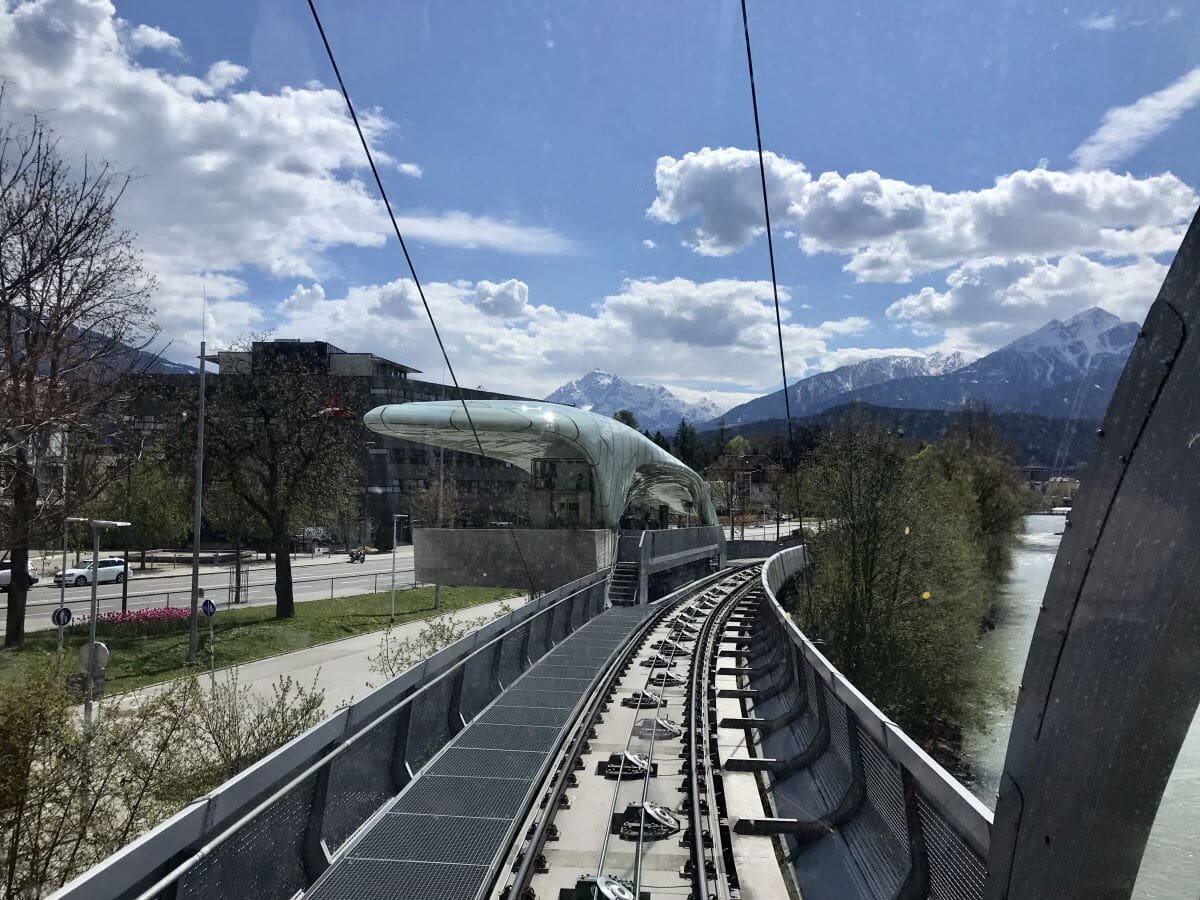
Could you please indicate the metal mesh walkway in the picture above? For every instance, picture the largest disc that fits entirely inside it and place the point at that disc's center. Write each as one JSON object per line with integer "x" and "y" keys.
{"x": 439, "y": 838}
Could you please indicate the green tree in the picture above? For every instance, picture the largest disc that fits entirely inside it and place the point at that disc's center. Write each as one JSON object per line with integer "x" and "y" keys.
{"x": 155, "y": 498}
{"x": 738, "y": 446}
{"x": 688, "y": 447}
{"x": 280, "y": 441}
{"x": 897, "y": 590}
{"x": 626, "y": 417}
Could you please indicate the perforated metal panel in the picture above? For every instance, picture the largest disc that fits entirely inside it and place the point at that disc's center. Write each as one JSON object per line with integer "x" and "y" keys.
{"x": 479, "y": 685}
{"x": 955, "y": 871}
{"x": 539, "y": 636}
{"x": 430, "y": 725}
{"x": 512, "y": 659}
{"x": 360, "y": 781}
{"x": 438, "y": 837}
{"x": 469, "y": 761}
{"x": 885, "y": 789}
{"x": 262, "y": 860}
{"x": 507, "y": 737}
{"x": 370, "y": 879}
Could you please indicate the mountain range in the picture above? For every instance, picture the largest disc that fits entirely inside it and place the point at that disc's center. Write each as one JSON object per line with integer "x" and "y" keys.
{"x": 1065, "y": 369}
{"x": 655, "y": 407}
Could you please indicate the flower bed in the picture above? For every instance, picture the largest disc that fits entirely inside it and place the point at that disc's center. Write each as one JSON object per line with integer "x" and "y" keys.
{"x": 155, "y": 620}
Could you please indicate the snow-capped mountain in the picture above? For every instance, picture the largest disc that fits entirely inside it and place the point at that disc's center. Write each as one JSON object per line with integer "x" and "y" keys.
{"x": 655, "y": 407}
{"x": 1067, "y": 369}
{"x": 825, "y": 389}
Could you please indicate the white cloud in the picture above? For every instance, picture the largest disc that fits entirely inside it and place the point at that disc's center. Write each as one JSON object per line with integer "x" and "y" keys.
{"x": 1126, "y": 129}
{"x": 991, "y": 301}
{"x": 509, "y": 299}
{"x": 231, "y": 179}
{"x": 649, "y": 244}
{"x": 892, "y": 230}
{"x": 1097, "y": 22}
{"x": 412, "y": 170}
{"x": 649, "y": 330}
{"x": 147, "y": 37}
{"x": 461, "y": 229}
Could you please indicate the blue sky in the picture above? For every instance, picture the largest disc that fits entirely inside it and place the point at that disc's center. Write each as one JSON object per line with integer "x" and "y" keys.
{"x": 933, "y": 182}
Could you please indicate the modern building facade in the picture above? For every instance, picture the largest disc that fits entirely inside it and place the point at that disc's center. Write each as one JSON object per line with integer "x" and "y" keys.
{"x": 585, "y": 469}
{"x": 394, "y": 469}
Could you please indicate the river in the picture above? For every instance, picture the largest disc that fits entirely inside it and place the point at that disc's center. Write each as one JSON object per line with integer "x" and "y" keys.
{"x": 1171, "y": 865}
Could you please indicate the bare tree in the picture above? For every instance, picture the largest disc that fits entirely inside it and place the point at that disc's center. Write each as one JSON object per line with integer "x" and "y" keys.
{"x": 74, "y": 312}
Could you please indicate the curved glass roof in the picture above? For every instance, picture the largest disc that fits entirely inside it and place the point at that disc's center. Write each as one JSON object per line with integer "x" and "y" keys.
{"x": 625, "y": 465}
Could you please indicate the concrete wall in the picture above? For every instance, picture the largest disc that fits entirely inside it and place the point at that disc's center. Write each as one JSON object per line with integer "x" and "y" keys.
{"x": 486, "y": 557}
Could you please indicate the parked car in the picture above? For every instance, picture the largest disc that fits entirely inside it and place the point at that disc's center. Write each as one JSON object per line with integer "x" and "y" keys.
{"x": 112, "y": 569}
{"x": 6, "y": 575}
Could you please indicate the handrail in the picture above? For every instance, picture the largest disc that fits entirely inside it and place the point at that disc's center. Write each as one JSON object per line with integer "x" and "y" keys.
{"x": 962, "y": 810}
{"x": 353, "y": 730}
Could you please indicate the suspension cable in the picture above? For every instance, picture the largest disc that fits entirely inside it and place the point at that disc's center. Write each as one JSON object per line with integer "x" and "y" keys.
{"x": 411, "y": 267}
{"x": 762, "y": 174}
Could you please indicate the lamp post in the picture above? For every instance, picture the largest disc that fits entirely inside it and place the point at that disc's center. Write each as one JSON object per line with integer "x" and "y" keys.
{"x": 198, "y": 508}
{"x": 97, "y": 526}
{"x": 396, "y": 517}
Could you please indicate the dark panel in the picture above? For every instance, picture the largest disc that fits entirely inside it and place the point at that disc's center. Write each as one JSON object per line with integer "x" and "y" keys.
{"x": 1113, "y": 675}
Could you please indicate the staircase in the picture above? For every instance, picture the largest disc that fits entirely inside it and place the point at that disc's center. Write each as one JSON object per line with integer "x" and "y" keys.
{"x": 623, "y": 586}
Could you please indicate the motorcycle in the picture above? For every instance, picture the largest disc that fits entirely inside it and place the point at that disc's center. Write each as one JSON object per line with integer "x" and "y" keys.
{"x": 358, "y": 556}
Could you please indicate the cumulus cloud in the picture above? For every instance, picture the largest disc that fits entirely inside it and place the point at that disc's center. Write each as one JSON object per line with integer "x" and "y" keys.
{"x": 229, "y": 178}
{"x": 892, "y": 230}
{"x": 1126, "y": 129}
{"x": 147, "y": 37}
{"x": 649, "y": 244}
{"x": 509, "y": 299}
{"x": 991, "y": 301}
{"x": 662, "y": 331}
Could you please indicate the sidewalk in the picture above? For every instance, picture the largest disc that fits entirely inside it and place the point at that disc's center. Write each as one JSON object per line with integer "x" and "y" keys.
{"x": 341, "y": 668}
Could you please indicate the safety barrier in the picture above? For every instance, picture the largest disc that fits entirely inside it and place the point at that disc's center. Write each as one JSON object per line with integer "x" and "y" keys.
{"x": 910, "y": 827}
{"x": 268, "y": 832}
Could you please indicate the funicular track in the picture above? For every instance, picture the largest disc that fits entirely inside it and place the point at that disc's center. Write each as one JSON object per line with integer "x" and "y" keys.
{"x": 613, "y": 823}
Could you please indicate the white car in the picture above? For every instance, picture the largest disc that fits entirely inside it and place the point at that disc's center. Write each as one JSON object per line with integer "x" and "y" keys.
{"x": 6, "y": 575}
{"x": 112, "y": 569}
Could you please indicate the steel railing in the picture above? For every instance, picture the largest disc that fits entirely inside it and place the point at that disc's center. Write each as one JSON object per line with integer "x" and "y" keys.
{"x": 270, "y": 831}
{"x": 910, "y": 826}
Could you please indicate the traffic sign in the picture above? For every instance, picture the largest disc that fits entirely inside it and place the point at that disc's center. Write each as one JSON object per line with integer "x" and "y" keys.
{"x": 99, "y": 657}
{"x": 61, "y": 616}
{"x": 209, "y": 608}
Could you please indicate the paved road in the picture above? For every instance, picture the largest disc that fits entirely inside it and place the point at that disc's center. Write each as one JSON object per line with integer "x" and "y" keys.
{"x": 348, "y": 578}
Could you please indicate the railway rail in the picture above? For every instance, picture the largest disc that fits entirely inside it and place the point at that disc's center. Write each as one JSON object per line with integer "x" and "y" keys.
{"x": 622, "y": 818}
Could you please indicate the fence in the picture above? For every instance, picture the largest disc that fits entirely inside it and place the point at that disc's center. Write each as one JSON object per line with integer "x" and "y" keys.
{"x": 911, "y": 828}
{"x": 223, "y": 592}
{"x": 268, "y": 832}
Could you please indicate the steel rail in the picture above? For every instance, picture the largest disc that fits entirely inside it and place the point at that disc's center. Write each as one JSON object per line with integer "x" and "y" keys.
{"x": 537, "y": 839}
{"x": 707, "y": 645}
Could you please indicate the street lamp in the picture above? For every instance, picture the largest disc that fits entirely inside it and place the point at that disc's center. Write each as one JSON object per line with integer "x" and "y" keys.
{"x": 396, "y": 517}
{"x": 97, "y": 525}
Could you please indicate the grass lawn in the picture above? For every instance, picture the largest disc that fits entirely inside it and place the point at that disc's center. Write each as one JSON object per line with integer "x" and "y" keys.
{"x": 241, "y": 635}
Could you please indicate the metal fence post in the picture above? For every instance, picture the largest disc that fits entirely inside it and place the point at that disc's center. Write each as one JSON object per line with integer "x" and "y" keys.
{"x": 916, "y": 882}
{"x": 313, "y": 852}
{"x": 401, "y": 773}
{"x": 454, "y": 716}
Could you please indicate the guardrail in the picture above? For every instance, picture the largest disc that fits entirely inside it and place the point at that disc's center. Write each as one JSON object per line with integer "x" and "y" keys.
{"x": 912, "y": 828}
{"x": 269, "y": 832}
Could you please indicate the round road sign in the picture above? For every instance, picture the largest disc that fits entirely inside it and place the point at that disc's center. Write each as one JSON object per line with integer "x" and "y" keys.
{"x": 209, "y": 608}
{"x": 101, "y": 656}
{"x": 61, "y": 616}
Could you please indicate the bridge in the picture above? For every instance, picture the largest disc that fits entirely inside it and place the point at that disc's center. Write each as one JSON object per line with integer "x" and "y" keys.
{"x": 689, "y": 740}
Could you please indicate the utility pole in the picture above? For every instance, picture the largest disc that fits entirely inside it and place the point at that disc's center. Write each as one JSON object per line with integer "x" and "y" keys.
{"x": 128, "y": 487}
{"x": 193, "y": 637}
